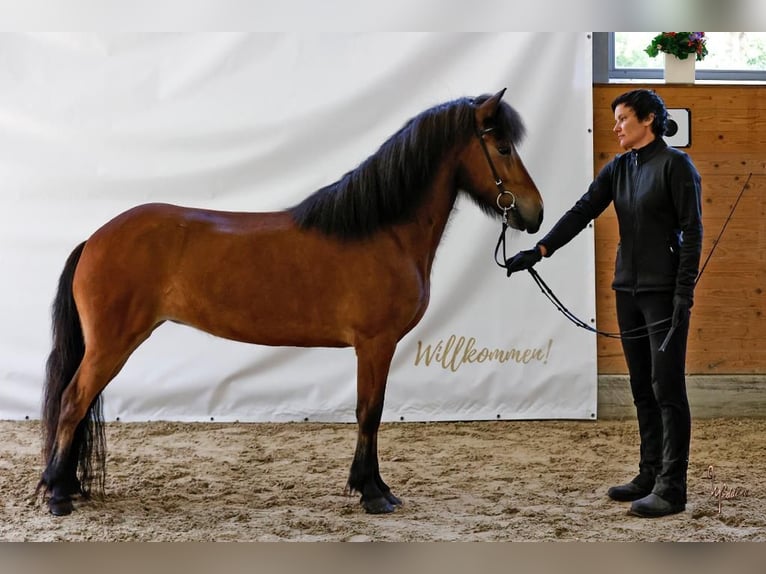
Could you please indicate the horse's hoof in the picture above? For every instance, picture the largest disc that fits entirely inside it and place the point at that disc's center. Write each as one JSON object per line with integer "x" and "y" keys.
{"x": 378, "y": 506}
{"x": 60, "y": 507}
{"x": 393, "y": 499}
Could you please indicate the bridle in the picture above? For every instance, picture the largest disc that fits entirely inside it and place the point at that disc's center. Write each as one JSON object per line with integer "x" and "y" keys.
{"x": 501, "y": 191}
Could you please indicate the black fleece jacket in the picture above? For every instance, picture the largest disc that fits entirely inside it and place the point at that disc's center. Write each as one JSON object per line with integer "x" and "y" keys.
{"x": 656, "y": 192}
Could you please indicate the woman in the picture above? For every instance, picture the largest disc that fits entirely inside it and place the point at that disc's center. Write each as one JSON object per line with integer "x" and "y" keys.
{"x": 656, "y": 192}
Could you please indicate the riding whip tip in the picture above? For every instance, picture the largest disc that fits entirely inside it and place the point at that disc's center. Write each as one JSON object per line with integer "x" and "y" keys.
{"x": 665, "y": 342}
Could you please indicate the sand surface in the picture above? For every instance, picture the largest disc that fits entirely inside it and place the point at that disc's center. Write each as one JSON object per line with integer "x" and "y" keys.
{"x": 473, "y": 481}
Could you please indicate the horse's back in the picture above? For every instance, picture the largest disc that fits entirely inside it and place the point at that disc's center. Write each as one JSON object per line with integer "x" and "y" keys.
{"x": 161, "y": 231}
{"x": 163, "y": 220}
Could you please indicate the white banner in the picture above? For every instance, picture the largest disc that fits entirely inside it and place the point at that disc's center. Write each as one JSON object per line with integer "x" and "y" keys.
{"x": 91, "y": 125}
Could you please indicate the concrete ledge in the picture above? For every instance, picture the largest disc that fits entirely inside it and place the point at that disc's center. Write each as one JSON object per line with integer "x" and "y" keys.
{"x": 710, "y": 396}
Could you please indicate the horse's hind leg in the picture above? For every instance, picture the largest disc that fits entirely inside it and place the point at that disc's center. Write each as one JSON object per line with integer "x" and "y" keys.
{"x": 373, "y": 363}
{"x": 79, "y": 438}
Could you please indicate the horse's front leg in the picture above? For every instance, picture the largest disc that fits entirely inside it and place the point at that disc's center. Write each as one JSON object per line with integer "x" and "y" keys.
{"x": 373, "y": 363}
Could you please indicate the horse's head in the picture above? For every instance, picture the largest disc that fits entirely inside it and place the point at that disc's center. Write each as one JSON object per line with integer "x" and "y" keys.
{"x": 492, "y": 171}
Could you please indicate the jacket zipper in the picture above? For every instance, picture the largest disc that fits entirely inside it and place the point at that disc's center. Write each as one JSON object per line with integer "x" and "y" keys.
{"x": 634, "y": 158}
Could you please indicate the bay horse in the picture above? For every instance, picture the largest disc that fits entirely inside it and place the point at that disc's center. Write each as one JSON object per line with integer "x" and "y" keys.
{"x": 349, "y": 266}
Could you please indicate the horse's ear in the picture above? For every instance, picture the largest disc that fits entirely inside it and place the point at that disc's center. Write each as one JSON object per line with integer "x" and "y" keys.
{"x": 486, "y": 111}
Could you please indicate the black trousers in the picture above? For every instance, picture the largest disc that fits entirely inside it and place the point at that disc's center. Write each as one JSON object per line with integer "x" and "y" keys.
{"x": 658, "y": 384}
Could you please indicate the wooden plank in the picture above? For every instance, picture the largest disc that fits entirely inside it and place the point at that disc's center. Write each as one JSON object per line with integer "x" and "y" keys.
{"x": 704, "y": 97}
{"x": 731, "y": 164}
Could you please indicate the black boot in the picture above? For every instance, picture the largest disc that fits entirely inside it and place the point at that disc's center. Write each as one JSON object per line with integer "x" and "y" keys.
{"x": 637, "y": 488}
{"x": 654, "y": 506}
{"x": 670, "y": 484}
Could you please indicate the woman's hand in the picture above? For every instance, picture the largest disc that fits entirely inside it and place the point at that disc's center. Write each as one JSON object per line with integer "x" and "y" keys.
{"x": 523, "y": 260}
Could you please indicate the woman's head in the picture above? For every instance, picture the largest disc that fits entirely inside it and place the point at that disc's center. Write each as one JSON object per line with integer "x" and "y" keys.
{"x": 644, "y": 103}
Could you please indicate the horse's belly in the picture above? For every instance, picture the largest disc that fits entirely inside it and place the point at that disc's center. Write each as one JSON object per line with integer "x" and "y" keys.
{"x": 309, "y": 311}
{"x": 275, "y": 327}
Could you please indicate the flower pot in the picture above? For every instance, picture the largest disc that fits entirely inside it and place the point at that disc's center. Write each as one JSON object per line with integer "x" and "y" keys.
{"x": 679, "y": 71}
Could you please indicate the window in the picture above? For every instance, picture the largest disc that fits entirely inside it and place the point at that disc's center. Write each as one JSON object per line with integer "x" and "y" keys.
{"x": 732, "y": 56}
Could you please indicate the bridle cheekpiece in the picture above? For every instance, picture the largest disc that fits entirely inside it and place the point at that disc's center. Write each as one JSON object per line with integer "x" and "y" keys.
{"x": 501, "y": 191}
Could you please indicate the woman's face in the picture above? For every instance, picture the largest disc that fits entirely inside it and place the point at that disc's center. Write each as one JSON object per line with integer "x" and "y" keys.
{"x": 632, "y": 133}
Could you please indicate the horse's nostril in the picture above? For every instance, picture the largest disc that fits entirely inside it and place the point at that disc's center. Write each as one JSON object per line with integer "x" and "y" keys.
{"x": 540, "y": 219}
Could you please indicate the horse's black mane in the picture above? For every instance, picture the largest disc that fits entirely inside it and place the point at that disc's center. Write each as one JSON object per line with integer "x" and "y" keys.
{"x": 388, "y": 186}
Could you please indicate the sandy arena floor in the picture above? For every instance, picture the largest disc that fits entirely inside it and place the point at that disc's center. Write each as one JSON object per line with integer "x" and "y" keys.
{"x": 485, "y": 481}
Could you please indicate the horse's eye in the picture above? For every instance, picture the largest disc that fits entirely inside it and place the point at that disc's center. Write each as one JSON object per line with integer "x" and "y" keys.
{"x": 503, "y": 150}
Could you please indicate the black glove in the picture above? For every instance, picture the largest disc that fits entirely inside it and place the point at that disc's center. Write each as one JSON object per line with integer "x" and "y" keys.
{"x": 523, "y": 260}
{"x": 681, "y": 306}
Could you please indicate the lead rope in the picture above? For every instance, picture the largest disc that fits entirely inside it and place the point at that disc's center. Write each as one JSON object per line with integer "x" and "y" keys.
{"x": 630, "y": 333}
{"x": 548, "y": 292}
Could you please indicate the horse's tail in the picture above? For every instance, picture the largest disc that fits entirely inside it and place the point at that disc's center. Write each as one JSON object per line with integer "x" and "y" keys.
{"x": 88, "y": 445}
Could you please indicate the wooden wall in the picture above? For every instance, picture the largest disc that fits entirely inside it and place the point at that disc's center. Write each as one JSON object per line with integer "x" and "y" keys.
{"x": 728, "y": 141}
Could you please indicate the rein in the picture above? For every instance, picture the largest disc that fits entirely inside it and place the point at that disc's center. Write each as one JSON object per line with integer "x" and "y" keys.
{"x": 646, "y": 330}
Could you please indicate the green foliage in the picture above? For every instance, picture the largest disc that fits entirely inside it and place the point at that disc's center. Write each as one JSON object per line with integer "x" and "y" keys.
{"x": 679, "y": 44}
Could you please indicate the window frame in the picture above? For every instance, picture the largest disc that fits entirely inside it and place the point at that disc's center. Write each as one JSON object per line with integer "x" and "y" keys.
{"x": 614, "y": 74}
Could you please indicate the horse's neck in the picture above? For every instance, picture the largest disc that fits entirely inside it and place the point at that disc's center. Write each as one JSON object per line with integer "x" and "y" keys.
{"x": 424, "y": 233}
